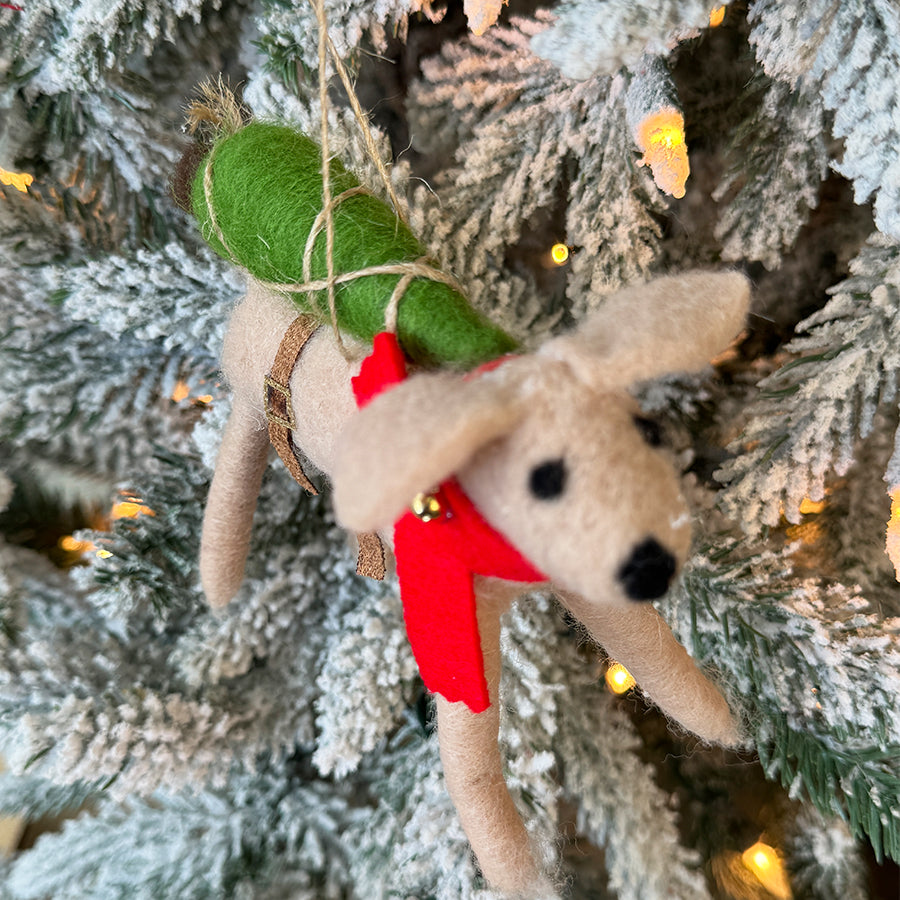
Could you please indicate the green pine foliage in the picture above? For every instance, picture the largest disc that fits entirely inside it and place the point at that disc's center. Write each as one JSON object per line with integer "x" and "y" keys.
{"x": 543, "y": 159}
{"x": 824, "y": 863}
{"x": 198, "y": 844}
{"x": 33, "y": 798}
{"x": 780, "y": 167}
{"x": 849, "y": 50}
{"x": 817, "y": 697}
{"x": 814, "y": 408}
{"x": 78, "y": 44}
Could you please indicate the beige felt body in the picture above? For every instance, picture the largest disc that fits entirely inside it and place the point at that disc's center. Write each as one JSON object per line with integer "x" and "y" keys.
{"x": 565, "y": 404}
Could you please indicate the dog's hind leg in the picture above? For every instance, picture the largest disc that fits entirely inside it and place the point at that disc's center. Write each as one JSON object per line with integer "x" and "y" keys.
{"x": 228, "y": 519}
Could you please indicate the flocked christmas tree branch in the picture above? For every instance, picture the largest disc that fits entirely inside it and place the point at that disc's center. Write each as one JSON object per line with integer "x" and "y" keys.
{"x": 295, "y": 721}
{"x": 816, "y": 667}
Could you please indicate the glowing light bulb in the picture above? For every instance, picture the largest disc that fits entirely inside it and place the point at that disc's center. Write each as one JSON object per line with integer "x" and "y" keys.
{"x": 481, "y": 14}
{"x": 811, "y": 507}
{"x": 765, "y": 863}
{"x": 618, "y": 679}
{"x": 18, "y": 180}
{"x": 71, "y": 544}
{"x": 660, "y": 136}
{"x": 717, "y": 17}
{"x": 892, "y": 539}
{"x": 130, "y": 509}
{"x": 559, "y": 253}
{"x": 182, "y": 391}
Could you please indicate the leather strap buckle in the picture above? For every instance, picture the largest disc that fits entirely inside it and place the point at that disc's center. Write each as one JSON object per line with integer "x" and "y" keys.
{"x": 278, "y": 404}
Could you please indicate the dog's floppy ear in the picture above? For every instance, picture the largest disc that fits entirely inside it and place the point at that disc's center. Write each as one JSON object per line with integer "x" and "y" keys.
{"x": 414, "y": 436}
{"x": 672, "y": 324}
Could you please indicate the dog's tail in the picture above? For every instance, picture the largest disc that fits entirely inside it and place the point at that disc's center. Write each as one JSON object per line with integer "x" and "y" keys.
{"x": 228, "y": 519}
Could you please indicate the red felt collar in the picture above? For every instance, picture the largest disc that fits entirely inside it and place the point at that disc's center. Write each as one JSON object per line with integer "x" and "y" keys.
{"x": 437, "y": 562}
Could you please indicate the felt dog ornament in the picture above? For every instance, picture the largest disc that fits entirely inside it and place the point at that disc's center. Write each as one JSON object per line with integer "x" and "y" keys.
{"x": 487, "y": 475}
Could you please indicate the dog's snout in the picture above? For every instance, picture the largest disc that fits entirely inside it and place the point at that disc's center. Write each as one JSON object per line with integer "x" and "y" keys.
{"x": 646, "y": 574}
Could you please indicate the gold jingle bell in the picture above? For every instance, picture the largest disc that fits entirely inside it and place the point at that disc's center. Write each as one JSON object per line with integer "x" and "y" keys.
{"x": 427, "y": 507}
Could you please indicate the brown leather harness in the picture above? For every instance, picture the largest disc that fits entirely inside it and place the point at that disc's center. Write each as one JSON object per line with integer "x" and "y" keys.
{"x": 371, "y": 559}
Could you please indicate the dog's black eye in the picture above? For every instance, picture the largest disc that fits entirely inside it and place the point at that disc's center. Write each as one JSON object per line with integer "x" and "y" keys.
{"x": 548, "y": 480}
{"x": 650, "y": 430}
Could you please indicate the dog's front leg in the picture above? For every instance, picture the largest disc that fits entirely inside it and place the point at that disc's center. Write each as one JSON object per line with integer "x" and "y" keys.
{"x": 636, "y": 636}
{"x": 473, "y": 770}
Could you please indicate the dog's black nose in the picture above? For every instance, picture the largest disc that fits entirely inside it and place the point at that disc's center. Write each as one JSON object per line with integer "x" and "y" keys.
{"x": 647, "y": 572}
